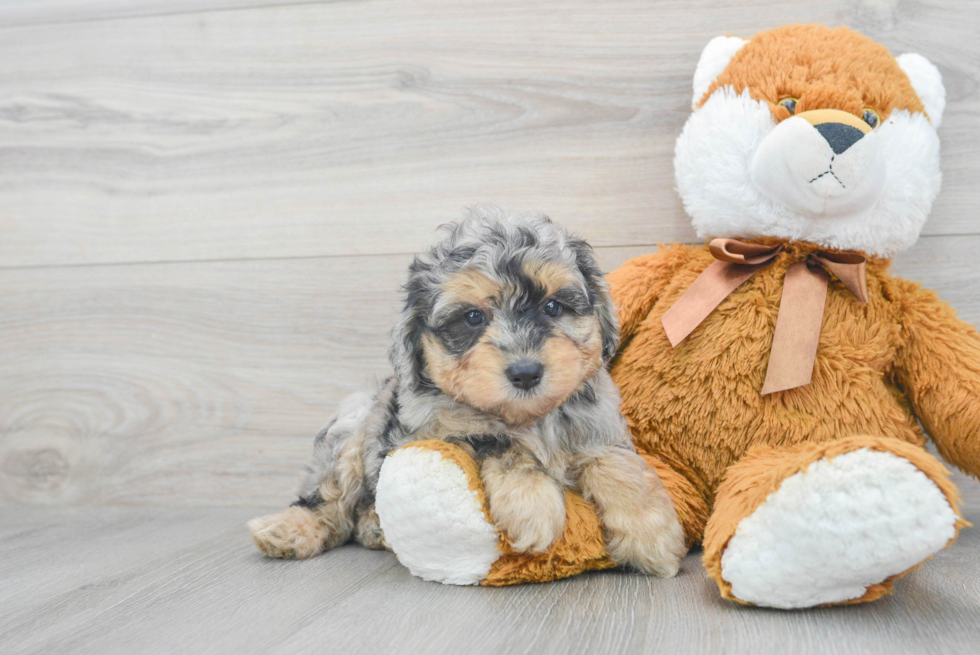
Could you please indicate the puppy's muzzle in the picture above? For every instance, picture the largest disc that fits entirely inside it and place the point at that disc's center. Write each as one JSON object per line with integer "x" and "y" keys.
{"x": 525, "y": 375}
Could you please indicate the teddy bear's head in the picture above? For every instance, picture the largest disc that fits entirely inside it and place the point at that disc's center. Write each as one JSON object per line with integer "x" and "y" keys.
{"x": 814, "y": 134}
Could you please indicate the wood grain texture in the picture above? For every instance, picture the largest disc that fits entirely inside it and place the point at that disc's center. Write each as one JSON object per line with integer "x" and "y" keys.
{"x": 19, "y": 13}
{"x": 155, "y": 580}
{"x": 347, "y": 127}
{"x": 206, "y": 209}
{"x": 154, "y": 383}
{"x": 204, "y": 383}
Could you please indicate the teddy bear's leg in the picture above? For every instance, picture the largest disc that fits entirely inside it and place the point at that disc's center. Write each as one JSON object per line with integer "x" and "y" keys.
{"x": 827, "y": 523}
{"x": 433, "y": 511}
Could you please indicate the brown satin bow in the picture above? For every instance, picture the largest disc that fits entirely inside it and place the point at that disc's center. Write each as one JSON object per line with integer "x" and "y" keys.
{"x": 794, "y": 344}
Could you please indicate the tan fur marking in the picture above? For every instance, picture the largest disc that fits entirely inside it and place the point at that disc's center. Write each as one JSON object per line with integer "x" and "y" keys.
{"x": 551, "y": 275}
{"x": 471, "y": 286}
{"x": 477, "y": 378}
{"x": 568, "y": 364}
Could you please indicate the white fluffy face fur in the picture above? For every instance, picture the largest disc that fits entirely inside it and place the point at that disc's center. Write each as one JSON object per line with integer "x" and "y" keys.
{"x": 742, "y": 175}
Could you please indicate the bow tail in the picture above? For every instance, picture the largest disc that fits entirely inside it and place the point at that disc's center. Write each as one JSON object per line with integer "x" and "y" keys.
{"x": 707, "y": 292}
{"x": 794, "y": 343}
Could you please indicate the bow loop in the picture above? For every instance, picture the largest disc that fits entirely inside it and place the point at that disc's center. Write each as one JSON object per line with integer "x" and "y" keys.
{"x": 848, "y": 267}
{"x": 740, "y": 252}
{"x": 801, "y": 305}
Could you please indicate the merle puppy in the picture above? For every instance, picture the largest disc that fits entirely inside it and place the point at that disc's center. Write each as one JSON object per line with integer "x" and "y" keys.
{"x": 502, "y": 348}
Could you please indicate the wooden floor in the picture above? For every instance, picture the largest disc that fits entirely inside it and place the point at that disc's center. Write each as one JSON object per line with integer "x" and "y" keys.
{"x": 165, "y": 580}
{"x": 206, "y": 210}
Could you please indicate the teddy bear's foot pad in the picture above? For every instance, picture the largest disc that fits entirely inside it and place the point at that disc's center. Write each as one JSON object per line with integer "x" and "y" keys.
{"x": 433, "y": 519}
{"x": 834, "y": 530}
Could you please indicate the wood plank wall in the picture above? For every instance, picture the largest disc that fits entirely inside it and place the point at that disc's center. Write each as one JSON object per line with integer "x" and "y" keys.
{"x": 206, "y": 208}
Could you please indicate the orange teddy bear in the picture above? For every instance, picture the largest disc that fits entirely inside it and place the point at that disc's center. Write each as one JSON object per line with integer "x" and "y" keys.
{"x": 775, "y": 378}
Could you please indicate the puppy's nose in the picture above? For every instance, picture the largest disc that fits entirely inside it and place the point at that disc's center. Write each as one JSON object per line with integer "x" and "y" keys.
{"x": 525, "y": 375}
{"x": 839, "y": 136}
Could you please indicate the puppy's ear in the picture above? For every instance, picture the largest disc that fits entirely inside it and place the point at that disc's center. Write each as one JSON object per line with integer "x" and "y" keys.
{"x": 406, "y": 355}
{"x": 599, "y": 296}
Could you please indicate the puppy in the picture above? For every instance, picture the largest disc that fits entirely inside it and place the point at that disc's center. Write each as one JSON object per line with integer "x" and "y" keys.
{"x": 501, "y": 348}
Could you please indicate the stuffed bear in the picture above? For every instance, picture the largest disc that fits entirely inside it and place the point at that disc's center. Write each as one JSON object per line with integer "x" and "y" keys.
{"x": 776, "y": 377}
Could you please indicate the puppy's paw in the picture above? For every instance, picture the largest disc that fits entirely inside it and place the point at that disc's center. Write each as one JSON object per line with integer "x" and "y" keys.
{"x": 294, "y": 532}
{"x": 650, "y": 541}
{"x": 368, "y": 531}
{"x": 531, "y": 510}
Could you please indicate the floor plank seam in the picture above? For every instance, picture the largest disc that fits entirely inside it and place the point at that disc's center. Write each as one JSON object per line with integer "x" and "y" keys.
{"x": 365, "y": 255}
{"x": 165, "y": 14}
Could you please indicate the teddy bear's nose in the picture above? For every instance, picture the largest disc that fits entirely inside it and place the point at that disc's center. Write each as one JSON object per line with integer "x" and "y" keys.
{"x": 840, "y": 137}
{"x": 838, "y": 128}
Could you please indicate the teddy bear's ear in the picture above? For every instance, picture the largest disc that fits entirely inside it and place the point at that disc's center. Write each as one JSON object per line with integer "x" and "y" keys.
{"x": 714, "y": 60}
{"x": 928, "y": 84}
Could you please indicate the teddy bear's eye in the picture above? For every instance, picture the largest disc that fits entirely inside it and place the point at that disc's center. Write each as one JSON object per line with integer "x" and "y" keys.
{"x": 789, "y": 104}
{"x": 870, "y": 117}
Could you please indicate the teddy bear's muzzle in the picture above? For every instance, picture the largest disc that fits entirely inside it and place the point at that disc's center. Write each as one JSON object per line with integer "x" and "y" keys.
{"x": 823, "y": 163}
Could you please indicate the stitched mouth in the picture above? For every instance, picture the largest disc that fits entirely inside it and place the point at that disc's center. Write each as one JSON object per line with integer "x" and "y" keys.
{"x": 830, "y": 171}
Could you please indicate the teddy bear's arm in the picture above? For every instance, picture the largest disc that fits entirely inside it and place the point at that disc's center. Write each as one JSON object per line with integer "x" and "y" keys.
{"x": 636, "y": 285}
{"x": 939, "y": 368}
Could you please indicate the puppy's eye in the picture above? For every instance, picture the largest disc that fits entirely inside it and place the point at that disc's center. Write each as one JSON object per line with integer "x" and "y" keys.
{"x": 789, "y": 104}
{"x": 475, "y": 318}
{"x": 553, "y": 308}
{"x": 871, "y": 117}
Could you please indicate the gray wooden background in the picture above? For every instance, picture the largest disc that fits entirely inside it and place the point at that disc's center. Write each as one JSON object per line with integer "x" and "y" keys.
{"x": 206, "y": 207}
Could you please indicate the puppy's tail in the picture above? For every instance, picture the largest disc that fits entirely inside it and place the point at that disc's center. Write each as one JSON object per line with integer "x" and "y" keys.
{"x": 333, "y": 498}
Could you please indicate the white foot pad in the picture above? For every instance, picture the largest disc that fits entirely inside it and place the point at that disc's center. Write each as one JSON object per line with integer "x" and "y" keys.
{"x": 432, "y": 520}
{"x": 830, "y": 532}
